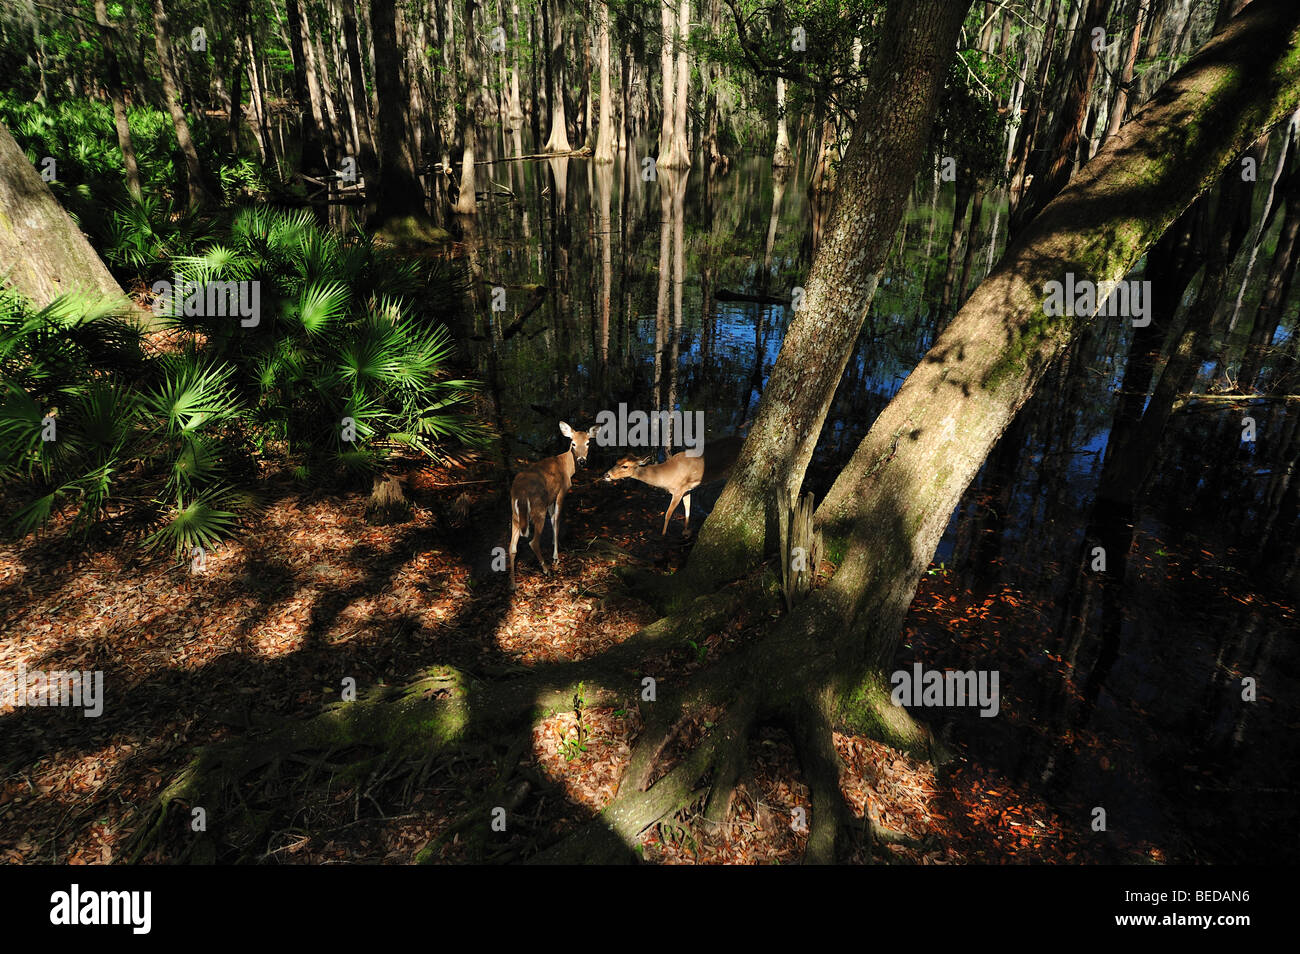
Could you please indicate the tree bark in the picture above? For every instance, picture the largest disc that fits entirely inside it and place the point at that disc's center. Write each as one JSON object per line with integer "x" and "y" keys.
{"x": 679, "y": 154}
{"x": 360, "y": 100}
{"x": 42, "y": 252}
{"x": 1053, "y": 172}
{"x": 398, "y": 191}
{"x": 1120, "y": 104}
{"x": 313, "y": 151}
{"x": 667, "y": 23}
{"x": 918, "y": 38}
{"x": 466, "y": 201}
{"x": 558, "y": 141}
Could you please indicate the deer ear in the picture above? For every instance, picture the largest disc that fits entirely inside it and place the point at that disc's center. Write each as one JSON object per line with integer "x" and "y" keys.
{"x": 565, "y": 429}
{"x": 646, "y": 461}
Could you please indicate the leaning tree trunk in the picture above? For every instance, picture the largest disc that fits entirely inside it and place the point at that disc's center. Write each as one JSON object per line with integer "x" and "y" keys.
{"x": 917, "y": 41}
{"x": 889, "y": 506}
{"x": 42, "y": 252}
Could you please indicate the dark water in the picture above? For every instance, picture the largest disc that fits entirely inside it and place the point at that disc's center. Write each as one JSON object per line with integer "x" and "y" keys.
{"x": 1121, "y": 688}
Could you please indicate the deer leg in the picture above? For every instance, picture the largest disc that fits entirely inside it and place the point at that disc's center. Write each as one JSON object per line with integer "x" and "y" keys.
{"x": 539, "y": 522}
{"x": 555, "y": 532}
{"x": 686, "y": 515}
{"x": 671, "y": 507}
{"x": 514, "y": 543}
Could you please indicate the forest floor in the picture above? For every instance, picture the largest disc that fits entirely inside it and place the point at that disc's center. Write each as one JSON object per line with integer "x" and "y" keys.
{"x": 312, "y": 594}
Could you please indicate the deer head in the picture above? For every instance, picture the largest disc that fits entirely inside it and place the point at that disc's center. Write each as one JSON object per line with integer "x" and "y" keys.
{"x": 577, "y": 443}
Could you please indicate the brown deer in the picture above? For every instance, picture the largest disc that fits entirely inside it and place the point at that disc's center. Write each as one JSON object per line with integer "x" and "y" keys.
{"x": 538, "y": 490}
{"x": 681, "y": 473}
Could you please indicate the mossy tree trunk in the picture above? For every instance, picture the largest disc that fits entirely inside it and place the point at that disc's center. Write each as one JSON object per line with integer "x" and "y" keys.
{"x": 887, "y": 509}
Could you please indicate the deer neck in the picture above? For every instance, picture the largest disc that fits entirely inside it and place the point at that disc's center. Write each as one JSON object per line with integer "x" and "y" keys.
{"x": 651, "y": 474}
{"x": 568, "y": 466}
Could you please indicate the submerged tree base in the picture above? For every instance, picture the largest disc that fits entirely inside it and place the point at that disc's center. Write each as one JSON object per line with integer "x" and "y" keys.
{"x": 412, "y": 231}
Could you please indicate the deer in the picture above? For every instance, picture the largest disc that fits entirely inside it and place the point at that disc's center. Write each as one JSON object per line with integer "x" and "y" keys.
{"x": 537, "y": 491}
{"x": 681, "y": 473}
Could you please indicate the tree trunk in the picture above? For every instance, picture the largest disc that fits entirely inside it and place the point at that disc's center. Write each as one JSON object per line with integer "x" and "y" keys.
{"x": 360, "y": 100}
{"x": 1053, "y": 172}
{"x": 466, "y": 201}
{"x": 313, "y": 151}
{"x": 918, "y": 39}
{"x": 114, "y": 80}
{"x": 1120, "y": 105}
{"x": 679, "y": 155}
{"x": 559, "y": 137}
{"x": 42, "y": 252}
{"x": 782, "y": 157}
{"x": 193, "y": 170}
{"x": 605, "y": 138}
{"x": 1027, "y": 135}
{"x": 667, "y": 23}
{"x": 398, "y": 192}
{"x": 1277, "y": 287}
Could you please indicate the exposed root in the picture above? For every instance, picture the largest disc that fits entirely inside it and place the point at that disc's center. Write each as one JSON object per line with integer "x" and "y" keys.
{"x": 613, "y": 834}
{"x": 815, "y": 743}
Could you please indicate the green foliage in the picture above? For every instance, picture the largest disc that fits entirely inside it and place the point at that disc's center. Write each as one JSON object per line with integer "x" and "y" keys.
{"x": 968, "y": 125}
{"x": 142, "y": 235}
{"x": 83, "y": 407}
{"x": 81, "y": 137}
{"x": 161, "y": 434}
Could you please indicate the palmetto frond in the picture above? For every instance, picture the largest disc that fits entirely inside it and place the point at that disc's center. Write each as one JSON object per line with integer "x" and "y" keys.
{"x": 192, "y": 395}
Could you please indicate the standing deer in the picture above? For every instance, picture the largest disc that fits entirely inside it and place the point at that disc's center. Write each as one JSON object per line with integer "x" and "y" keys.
{"x": 681, "y": 473}
{"x": 539, "y": 490}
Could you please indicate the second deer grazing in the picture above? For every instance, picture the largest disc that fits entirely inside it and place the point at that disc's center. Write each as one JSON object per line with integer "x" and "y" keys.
{"x": 538, "y": 490}
{"x": 681, "y": 473}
